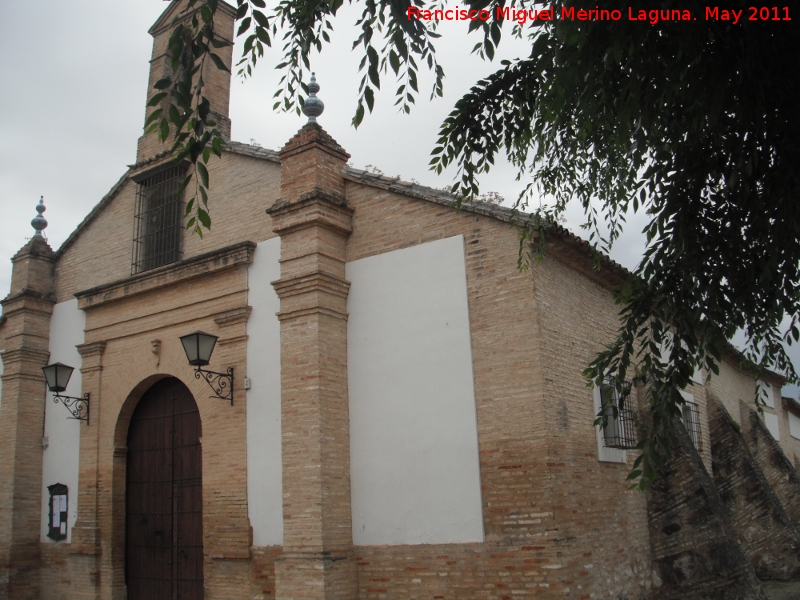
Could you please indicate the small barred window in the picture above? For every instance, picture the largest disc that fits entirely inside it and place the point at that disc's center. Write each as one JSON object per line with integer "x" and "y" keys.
{"x": 158, "y": 226}
{"x": 691, "y": 420}
{"x": 620, "y": 429}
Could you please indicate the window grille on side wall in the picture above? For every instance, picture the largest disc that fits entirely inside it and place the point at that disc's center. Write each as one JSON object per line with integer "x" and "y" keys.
{"x": 157, "y": 222}
{"x": 620, "y": 429}
{"x": 691, "y": 420}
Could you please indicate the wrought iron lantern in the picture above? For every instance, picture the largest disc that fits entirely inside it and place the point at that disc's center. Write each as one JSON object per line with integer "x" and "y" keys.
{"x": 57, "y": 376}
{"x": 198, "y": 347}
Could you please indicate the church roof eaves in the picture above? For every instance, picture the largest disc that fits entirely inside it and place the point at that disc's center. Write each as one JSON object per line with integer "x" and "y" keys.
{"x": 252, "y": 151}
{"x": 557, "y": 233}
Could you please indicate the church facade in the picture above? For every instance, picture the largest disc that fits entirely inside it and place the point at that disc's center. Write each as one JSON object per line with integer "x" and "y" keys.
{"x": 391, "y": 408}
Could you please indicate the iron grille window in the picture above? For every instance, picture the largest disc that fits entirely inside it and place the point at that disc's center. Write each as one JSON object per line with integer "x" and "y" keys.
{"x": 620, "y": 429}
{"x": 691, "y": 420}
{"x": 157, "y": 221}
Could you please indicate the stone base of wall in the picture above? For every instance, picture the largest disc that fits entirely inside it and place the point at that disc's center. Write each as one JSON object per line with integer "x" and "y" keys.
{"x": 55, "y": 572}
{"x": 316, "y": 576}
{"x": 496, "y": 570}
{"x": 19, "y": 573}
{"x": 262, "y": 563}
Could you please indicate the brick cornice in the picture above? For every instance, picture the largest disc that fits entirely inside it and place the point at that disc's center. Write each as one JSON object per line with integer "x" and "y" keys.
{"x": 197, "y": 266}
{"x": 24, "y": 355}
{"x": 316, "y": 207}
{"x": 313, "y": 310}
{"x": 92, "y": 356}
{"x": 233, "y": 316}
{"x": 30, "y": 301}
{"x": 312, "y": 282}
{"x": 37, "y": 247}
{"x": 91, "y": 349}
{"x": 231, "y": 341}
{"x": 312, "y": 135}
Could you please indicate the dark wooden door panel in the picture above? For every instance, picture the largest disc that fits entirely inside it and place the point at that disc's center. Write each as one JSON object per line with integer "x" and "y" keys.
{"x": 164, "y": 518}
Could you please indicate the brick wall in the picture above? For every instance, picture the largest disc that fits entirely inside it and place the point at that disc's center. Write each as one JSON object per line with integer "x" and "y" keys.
{"x": 557, "y": 521}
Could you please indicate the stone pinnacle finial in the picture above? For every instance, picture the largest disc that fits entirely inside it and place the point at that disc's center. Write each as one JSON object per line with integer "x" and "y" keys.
{"x": 39, "y": 222}
{"x": 313, "y": 106}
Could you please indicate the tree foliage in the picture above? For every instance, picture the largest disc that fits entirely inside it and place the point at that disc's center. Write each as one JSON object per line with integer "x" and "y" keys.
{"x": 694, "y": 123}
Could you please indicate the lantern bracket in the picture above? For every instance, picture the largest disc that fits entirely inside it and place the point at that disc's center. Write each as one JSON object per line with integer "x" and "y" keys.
{"x": 78, "y": 407}
{"x": 220, "y": 383}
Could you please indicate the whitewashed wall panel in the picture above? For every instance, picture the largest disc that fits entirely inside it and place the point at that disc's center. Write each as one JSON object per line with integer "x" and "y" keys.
{"x": 61, "y": 457}
{"x": 264, "y": 469}
{"x": 414, "y": 471}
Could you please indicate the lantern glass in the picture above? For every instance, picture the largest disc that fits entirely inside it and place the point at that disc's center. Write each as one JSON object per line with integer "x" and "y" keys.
{"x": 57, "y": 376}
{"x": 198, "y": 347}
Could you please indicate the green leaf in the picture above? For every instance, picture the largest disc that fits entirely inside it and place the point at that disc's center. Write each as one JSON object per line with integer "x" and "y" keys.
{"x": 369, "y": 97}
{"x": 262, "y": 35}
{"x": 359, "y": 116}
{"x": 157, "y": 98}
{"x": 163, "y": 132}
{"x": 174, "y": 115}
{"x": 204, "y": 218}
{"x": 163, "y": 84}
{"x": 261, "y": 19}
{"x": 153, "y": 116}
{"x": 243, "y": 27}
{"x": 203, "y": 172}
{"x": 218, "y": 62}
{"x": 394, "y": 61}
{"x": 216, "y": 146}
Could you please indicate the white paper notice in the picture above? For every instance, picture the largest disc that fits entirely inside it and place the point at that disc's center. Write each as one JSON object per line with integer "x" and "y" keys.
{"x": 56, "y": 515}
{"x": 63, "y": 503}
{"x": 63, "y": 528}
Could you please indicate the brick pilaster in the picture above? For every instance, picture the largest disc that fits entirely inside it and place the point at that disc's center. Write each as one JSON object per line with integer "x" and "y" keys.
{"x": 314, "y": 222}
{"x": 86, "y": 549}
{"x": 28, "y": 309}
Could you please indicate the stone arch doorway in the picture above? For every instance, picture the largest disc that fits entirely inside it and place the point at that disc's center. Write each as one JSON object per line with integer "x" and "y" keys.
{"x": 164, "y": 496}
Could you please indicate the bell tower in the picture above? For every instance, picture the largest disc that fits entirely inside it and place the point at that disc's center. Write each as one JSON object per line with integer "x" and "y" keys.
{"x": 217, "y": 82}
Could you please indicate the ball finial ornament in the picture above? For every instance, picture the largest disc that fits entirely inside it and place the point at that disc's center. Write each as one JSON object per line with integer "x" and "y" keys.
{"x": 313, "y": 106}
{"x": 39, "y": 222}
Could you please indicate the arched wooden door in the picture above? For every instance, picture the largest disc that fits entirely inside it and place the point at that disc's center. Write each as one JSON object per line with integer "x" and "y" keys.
{"x": 164, "y": 497}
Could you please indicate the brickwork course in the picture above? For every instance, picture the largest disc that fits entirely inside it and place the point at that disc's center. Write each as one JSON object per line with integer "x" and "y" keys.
{"x": 557, "y": 521}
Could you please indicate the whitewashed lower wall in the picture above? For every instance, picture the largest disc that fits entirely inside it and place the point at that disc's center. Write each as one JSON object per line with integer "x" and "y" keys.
{"x": 62, "y": 455}
{"x": 414, "y": 467}
{"x": 264, "y": 467}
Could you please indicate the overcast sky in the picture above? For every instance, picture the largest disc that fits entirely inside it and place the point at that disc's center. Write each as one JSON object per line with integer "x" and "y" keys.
{"x": 72, "y": 99}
